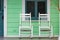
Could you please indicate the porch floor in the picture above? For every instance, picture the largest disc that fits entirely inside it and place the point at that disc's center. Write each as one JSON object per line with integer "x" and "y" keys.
{"x": 28, "y": 38}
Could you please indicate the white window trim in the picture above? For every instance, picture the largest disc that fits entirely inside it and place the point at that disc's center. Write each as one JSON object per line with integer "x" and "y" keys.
{"x": 5, "y": 18}
{"x": 48, "y": 8}
{"x": 23, "y": 8}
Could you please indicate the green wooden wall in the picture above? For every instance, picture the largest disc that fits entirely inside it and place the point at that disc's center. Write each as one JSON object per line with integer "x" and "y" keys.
{"x": 54, "y": 19}
{"x": 54, "y": 16}
{"x": 13, "y": 16}
{"x": 14, "y": 9}
{"x": 59, "y": 22}
{"x": 59, "y": 17}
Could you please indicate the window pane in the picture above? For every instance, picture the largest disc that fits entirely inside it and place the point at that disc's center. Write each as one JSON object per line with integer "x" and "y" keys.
{"x": 42, "y": 7}
{"x": 30, "y": 7}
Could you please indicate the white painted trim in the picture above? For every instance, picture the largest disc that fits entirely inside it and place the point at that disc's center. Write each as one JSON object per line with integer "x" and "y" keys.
{"x": 23, "y": 9}
{"x": 51, "y": 31}
{"x": 59, "y": 25}
{"x": 59, "y": 38}
{"x": 48, "y": 9}
{"x": 5, "y": 18}
{"x": 12, "y": 36}
{"x": 39, "y": 25}
{"x": 32, "y": 32}
{"x": 23, "y": 6}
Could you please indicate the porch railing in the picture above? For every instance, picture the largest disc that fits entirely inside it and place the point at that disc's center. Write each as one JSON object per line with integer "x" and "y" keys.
{"x": 26, "y": 27}
{"x": 45, "y": 29}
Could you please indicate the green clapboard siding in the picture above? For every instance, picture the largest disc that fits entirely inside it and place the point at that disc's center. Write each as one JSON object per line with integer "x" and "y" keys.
{"x": 25, "y": 23}
{"x": 54, "y": 16}
{"x": 14, "y": 9}
{"x": 54, "y": 3}
{"x": 13, "y": 25}
{"x": 59, "y": 22}
{"x": 13, "y": 31}
{"x": 35, "y": 28}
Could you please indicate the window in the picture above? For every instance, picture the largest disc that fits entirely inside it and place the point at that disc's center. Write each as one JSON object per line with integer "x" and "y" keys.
{"x": 42, "y": 7}
{"x": 30, "y": 7}
{"x": 35, "y": 7}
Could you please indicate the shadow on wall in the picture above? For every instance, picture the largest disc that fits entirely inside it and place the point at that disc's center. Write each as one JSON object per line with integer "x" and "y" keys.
{"x": 1, "y": 17}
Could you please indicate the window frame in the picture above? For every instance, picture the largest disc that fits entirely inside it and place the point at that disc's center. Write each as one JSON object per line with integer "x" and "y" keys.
{"x": 48, "y": 8}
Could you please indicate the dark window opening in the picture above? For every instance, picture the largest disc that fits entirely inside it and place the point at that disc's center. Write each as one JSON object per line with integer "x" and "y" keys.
{"x": 36, "y": 7}
{"x": 1, "y": 18}
{"x": 30, "y": 7}
{"x": 42, "y": 7}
